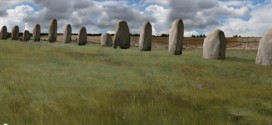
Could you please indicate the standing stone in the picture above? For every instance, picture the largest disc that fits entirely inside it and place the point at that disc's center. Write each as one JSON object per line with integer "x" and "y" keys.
{"x": 4, "y": 33}
{"x": 82, "y": 37}
{"x": 145, "y": 41}
{"x": 106, "y": 40}
{"x": 122, "y": 36}
{"x": 264, "y": 56}
{"x": 176, "y": 37}
{"x": 67, "y": 34}
{"x": 214, "y": 46}
{"x": 15, "y": 33}
{"x": 26, "y": 36}
{"x": 37, "y": 33}
{"x": 52, "y": 33}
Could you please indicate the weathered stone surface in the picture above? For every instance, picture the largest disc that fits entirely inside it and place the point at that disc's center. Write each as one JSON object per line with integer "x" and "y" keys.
{"x": 67, "y": 34}
{"x": 106, "y": 40}
{"x": 122, "y": 36}
{"x": 214, "y": 46}
{"x": 26, "y": 35}
{"x": 82, "y": 37}
{"x": 37, "y": 33}
{"x": 145, "y": 41}
{"x": 15, "y": 33}
{"x": 52, "y": 33}
{"x": 176, "y": 37}
{"x": 4, "y": 33}
{"x": 264, "y": 56}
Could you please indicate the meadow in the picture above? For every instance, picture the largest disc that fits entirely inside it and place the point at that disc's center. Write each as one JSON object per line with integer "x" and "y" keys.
{"x": 61, "y": 84}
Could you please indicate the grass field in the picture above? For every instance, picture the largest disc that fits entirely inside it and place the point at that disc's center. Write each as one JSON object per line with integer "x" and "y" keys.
{"x": 57, "y": 84}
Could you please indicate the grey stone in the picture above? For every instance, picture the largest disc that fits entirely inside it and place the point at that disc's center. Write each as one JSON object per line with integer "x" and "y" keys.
{"x": 26, "y": 35}
{"x": 122, "y": 36}
{"x": 176, "y": 37}
{"x": 145, "y": 41}
{"x": 37, "y": 33}
{"x": 264, "y": 56}
{"x": 82, "y": 37}
{"x": 106, "y": 40}
{"x": 214, "y": 46}
{"x": 4, "y": 33}
{"x": 67, "y": 34}
{"x": 52, "y": 33}
{"x": 15, "y": 33}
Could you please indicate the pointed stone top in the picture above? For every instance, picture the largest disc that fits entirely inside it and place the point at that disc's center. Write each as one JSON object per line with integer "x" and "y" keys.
{"x": 218, "y": 30}
{"x": 147, "y": 23}
{"x": 83, "y": 28}
{"x": 122, "y": 22}
{"x": 69, "y": 26}
{"x": 179, "y": 20}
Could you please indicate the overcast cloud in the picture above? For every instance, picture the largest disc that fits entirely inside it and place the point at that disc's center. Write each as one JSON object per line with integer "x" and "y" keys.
{"x": 199, "y": 16}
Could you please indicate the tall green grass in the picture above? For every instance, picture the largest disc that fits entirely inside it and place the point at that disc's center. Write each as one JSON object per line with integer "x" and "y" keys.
{"x": 57, "y": 84}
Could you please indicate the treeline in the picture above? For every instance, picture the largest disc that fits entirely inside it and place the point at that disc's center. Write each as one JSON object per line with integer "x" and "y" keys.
{"x": 236, "y": 36}
{"x": 199, "y": 36}
{"x": 162, "y": 35}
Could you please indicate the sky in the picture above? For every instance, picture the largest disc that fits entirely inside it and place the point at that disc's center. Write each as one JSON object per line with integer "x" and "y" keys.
{"x": 234, "y": 17}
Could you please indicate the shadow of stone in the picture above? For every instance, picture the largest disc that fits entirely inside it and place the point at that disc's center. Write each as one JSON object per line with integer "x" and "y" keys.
{"x": 236, "y": 59}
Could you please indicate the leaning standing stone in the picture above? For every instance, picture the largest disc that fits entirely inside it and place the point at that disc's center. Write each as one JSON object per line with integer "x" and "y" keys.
{"x": 106, "y": 40}
{"x": 52, "y": 33}
{"x": 37, "y": 33}
{"x": 214, "y": 46}
{"x": 264, "y": 56}
{"x": 4, "y": 33}
{"x": 26, "y": 36}
{"x": 67, "y": 34}
{"x": 145, "y": 41}
{"x": 176, "y": 37}
{"x": 15, "y": 33}
{"x": 122, "y": 36}
{"x": 82, "y": 37}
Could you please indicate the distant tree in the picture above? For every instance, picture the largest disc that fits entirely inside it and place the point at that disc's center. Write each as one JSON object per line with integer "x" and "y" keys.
{"x": 135, "y": 34}
{"x": 164, "y": 35}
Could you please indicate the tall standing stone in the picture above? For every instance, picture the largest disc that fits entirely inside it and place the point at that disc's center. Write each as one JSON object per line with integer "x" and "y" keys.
{"x": 82, "y": 37}
{"x": 106, "y": 40}
{"x": 26, "y": 35}
{"x": 214, "y": 46}
{"x": 264, "y": 56}
{"x": 15, "y": 33}
{"x": 145, "y": 41}
{"x": 176, "y": 37}
{"x": 52, "y": 33}
{"x": 67, "y": 34}
{"x": 4, "y": 33}
{"x": 122, "y": 36}
{"x": 37, "y": 33}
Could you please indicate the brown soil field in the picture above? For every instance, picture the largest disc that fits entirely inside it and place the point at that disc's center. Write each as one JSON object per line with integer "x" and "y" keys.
{"x": 162, "y": 42}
